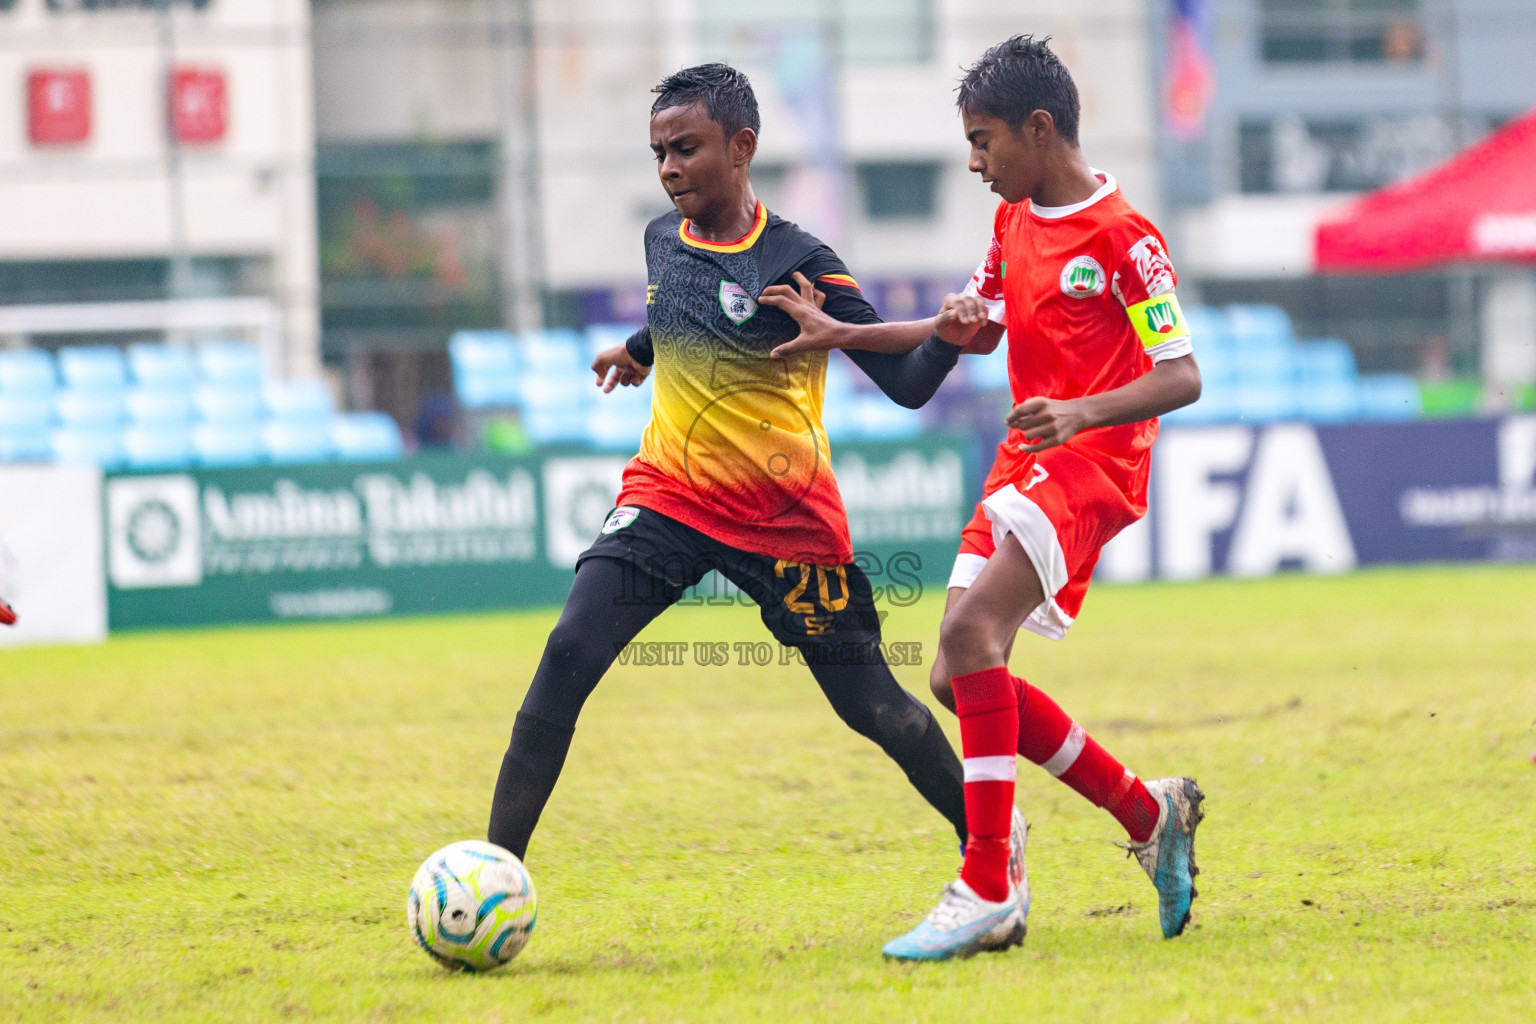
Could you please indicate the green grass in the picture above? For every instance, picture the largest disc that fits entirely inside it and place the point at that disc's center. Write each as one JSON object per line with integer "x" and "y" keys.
{"x": 221, "y": 825}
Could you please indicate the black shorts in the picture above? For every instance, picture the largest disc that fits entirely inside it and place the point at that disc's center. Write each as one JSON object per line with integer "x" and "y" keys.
{"x": 826, "y": 611}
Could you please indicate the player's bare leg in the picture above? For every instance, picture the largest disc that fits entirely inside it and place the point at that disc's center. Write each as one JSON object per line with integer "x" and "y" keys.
{"x": 1159, "y": 817}
{"x": 982, "y": 909}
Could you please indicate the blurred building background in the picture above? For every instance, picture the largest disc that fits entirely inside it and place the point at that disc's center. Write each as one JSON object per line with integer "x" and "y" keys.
{"x": 1313, "y": 102}
{"x": 462, "y": 186}
{"x": 350, "y": 184}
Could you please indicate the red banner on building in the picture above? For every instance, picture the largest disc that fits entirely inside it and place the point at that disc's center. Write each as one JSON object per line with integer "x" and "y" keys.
{"x": 199, "y": 107}
{"x": 58, "y": 107}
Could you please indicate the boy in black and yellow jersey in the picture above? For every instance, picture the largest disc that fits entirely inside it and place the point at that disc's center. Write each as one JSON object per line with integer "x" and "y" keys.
{"x": 734, "y": 472}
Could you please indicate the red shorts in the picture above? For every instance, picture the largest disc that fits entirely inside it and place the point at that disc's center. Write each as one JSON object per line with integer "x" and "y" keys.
{"x": 1063, "y": 508}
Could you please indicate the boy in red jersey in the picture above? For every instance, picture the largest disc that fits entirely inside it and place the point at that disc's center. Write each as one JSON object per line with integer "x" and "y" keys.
{"x": 1097, "y": 349}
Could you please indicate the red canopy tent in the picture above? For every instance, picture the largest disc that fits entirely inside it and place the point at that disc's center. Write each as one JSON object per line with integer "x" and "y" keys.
{"x": 1478, "y": 206}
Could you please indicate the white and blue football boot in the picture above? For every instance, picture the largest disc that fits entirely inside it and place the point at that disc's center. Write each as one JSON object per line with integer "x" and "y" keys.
{"x": 1018, "y": 875}
{"x": 1168, "y": 857}
{"x": 962, "y": 925}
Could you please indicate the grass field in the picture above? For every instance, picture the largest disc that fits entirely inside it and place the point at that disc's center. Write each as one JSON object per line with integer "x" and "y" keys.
{"x": 221, "y": 825}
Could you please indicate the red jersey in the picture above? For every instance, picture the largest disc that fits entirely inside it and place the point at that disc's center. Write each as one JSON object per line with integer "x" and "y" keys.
{"x": 1087, "y": 295}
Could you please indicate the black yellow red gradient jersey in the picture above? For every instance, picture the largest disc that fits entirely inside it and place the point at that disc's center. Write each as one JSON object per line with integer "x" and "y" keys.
{"x": 735, "y": 447}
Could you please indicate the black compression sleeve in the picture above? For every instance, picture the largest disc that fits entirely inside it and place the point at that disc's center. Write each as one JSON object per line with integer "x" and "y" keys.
{"x": 638, "y": 345}
{"x": 912, "y": 378}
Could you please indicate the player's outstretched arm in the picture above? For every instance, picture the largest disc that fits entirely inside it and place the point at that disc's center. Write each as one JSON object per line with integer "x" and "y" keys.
{"x": 958, "y": 323}
{"x": 1048, "y": 422}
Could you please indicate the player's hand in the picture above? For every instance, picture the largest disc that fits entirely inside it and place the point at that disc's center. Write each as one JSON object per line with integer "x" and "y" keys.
{"x": 818, "y": 331}
{"x": 615, "y": 366}
{"x": 1046, "y": 422}
{"x": 960, "y": 319}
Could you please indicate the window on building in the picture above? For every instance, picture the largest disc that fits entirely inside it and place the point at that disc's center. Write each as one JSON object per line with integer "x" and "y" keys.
{"x": 407, "y": 242}
{"x": 1360, "y": 31}
{"x": 899, "y": 190}
{"x": 860, "y": 31}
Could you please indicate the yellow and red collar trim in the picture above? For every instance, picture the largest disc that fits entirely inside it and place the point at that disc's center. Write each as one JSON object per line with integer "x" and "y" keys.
{"x": 741, "y": 244}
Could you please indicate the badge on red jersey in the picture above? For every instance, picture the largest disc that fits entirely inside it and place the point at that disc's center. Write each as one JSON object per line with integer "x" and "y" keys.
{"x": 1083, "y": 278}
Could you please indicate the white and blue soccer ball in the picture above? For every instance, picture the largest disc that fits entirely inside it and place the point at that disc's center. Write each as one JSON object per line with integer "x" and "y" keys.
{"x": 472, "y": 906}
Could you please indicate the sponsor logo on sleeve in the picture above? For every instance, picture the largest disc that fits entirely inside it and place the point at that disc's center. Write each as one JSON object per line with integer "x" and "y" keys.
{"x": 1083, "y": 278}
{"x": 1153, "y": 266}
{"x": 735, "y": 303}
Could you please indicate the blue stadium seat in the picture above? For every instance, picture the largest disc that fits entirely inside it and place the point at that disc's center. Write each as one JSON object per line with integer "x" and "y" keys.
{"x": 159, "y": 405}
{"x": 158, "y": 446}
{"x": 1217, "y": 404}
{"x": 25, "y": 445}
{"x": 25, "y": 413}
{"x": 76, "y": 408}
{"x": 1324, "y": 361}
{"x": 235, "y": 363}
{"x": 555, "y": 424}
{"x": 1265, "y": 401}
{"x": 1389, "y": 396}
{"x": 496, "y": 391}
{"x": 27, "y": 371}
{"x": 487, "y": 369}
{"x": 95, "y": 368}
{"x": 366, "y": 436}
{"x": 1218, "y": 369}
{"x": 87, "y": 446}
{"x": 1259, "y": 323}
{"x": 1267, "y": 362}
{"x": 228, "y": 403}
{"x": 1329, "y": 401}
{"x": 301, "y": 440}
{"x": 226, "y": 444}
{"x": 616, "y": 420}
{"x": 162, "y": 366}
{"x": 1209, "y": 329}
{"x": 305, "y": 399}
{"x": 553, "y": 351}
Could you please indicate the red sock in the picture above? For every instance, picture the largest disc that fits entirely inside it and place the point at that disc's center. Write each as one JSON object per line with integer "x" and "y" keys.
{"x": 1059, "y": 745}
{"x": 987, "y": 703}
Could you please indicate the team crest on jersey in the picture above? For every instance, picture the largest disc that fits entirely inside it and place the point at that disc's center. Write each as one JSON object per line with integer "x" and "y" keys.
{"x": 735, "y": 303}
{"x": 1083, "y": 278}
{"x": 620, "y": 518}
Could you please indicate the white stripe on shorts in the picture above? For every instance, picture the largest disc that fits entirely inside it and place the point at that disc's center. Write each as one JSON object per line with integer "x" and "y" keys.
{"x": 991, "y": 769}
{"x": 1067, "y": 755}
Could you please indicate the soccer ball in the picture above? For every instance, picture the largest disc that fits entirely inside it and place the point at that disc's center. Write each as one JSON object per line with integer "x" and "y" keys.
{"x": 471, "y": 906}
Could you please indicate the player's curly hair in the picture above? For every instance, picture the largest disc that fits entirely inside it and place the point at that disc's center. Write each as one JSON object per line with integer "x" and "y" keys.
{"x": 1017, "y": 77}
{"x": 726, "y": 94}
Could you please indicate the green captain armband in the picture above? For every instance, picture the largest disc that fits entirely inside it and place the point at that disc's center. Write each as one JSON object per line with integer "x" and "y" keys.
{"x": 1158, "y": 320}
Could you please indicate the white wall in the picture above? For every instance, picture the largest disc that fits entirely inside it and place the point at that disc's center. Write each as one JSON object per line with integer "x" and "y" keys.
{"x": 250, "y": 195}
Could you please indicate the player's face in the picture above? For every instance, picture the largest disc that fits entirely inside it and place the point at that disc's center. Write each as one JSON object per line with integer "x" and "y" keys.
{"x": 696, "y": 162}
{"x": 1007, "y": 158}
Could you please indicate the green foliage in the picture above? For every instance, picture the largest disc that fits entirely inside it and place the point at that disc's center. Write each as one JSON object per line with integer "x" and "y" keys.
{"x": 221, "y": 825}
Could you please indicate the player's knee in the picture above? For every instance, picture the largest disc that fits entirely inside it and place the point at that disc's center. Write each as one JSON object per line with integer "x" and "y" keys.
{"x": 970, "y": 644}
{"x": 571, "y": 652}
